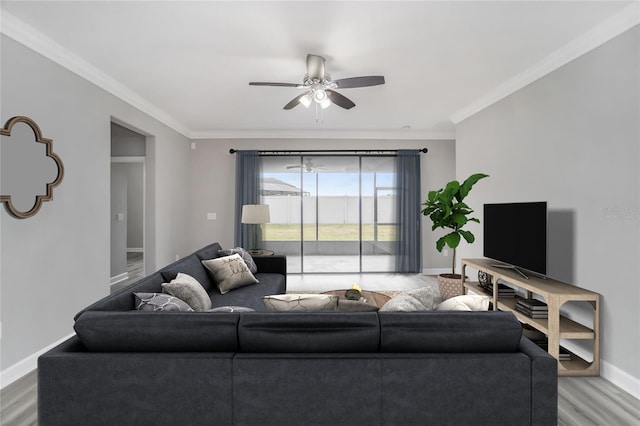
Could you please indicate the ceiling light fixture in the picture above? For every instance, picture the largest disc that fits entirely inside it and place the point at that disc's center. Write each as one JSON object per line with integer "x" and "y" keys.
{"x": 306, "y": 100}
{"x": 321, "y": 97}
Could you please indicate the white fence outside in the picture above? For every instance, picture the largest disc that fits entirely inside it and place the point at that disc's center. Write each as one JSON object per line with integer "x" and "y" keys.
{"x": 330, "y": 209}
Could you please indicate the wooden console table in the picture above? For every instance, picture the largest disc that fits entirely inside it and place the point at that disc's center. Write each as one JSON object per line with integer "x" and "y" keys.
{"x": 554, "y": 294}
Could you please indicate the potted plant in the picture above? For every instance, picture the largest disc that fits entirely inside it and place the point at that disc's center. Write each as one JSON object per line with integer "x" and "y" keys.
{"x": 447, "y": 210}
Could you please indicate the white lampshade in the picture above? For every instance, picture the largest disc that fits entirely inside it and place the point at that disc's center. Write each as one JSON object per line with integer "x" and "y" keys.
{"x": 255, "y": 213}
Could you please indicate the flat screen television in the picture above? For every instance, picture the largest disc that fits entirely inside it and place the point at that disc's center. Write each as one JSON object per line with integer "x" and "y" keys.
{"x": 515, "y": 234}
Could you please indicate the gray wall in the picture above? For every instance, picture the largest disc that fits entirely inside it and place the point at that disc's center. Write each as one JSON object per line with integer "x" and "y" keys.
{"x": 57, "y": 262}
{"x": 213, "y": 182}
{"x": 571, "y": 138}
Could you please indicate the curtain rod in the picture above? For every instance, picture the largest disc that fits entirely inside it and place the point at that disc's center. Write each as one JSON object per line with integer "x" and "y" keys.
{"x": 368, "y": 151}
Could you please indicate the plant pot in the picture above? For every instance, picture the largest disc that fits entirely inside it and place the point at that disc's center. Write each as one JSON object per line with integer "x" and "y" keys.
{"x": 450, "y": 285}
{"x": 352, "y": 294}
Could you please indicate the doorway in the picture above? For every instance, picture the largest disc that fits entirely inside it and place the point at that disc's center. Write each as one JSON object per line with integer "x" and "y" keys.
{"x": 128, "y": 194}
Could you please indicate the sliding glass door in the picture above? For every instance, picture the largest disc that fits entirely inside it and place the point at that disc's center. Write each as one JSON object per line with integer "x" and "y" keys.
{"x": 331, "y": 213}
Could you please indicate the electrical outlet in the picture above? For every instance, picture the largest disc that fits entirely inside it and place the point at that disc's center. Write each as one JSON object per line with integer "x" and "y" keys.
{"x": 177, "y": 256}
{"x": 445, "y": 253}
{"x": 211, "y": 216}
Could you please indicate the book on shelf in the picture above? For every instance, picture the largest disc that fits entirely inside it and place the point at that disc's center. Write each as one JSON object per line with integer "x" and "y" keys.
{"x": 533, "y": 304}
{"x": 531, "y": 313}
{"x": 503, "y": 290}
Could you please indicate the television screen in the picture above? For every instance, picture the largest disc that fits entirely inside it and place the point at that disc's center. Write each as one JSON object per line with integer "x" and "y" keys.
{"x": 516, "y": 234}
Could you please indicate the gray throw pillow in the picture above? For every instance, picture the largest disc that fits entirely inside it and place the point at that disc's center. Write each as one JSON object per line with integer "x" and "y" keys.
{"x": 419, "y": 299}
{"x": 229, "y": 272}
{"x": 160, "y": 302}
{"x": 251, "y": 264}
{"x": 187, "y": 288}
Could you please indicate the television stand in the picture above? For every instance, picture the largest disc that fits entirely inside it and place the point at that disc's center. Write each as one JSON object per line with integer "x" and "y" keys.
{"x": 557, "y": 326}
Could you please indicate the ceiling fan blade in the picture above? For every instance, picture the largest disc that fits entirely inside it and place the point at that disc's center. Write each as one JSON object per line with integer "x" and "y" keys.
{"x": 295, "y": 101}
{"x": 366, "y": 81}
{"x": 262, "y": 83}
{"x": 340, "y": 100}
{"x": 315, "y": 67}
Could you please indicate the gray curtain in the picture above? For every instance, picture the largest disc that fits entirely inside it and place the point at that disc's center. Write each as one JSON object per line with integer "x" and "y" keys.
{"x": 409, "y": 245}
{"x": 247, "y": 192}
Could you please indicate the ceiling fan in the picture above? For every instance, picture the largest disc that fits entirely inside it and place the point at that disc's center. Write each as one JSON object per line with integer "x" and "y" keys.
{"x": 307, "y": 166}
{"x": 320, "y": 88}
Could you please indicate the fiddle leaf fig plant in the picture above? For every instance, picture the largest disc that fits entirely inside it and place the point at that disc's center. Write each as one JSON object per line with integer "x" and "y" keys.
{"x": 447, "y": 210}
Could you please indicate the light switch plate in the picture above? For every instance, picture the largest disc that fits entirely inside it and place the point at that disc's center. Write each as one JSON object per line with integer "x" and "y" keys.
{"x": 211, "y": 216}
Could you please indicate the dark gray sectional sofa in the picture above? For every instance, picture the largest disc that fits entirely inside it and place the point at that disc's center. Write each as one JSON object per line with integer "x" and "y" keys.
{"x": 128, "y": 367}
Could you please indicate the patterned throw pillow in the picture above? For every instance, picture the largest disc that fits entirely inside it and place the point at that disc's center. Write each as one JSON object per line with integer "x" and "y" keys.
{"x": 187, "y": 288}
{"x": 230, "y": 272}
{"x": 244, "y": 255}
{"x": 300, "y": 302}
{"x": 160, "y": 302}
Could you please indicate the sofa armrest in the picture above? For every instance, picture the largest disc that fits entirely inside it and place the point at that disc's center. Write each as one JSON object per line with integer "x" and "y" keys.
{"x": 544, "y": 384}
{"x": 276, "y": 264}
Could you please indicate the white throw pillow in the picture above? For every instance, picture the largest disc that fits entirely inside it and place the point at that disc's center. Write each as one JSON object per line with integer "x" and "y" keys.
{"x": 300, "y": 302}
{"x": 467, "y": 302}
{"x": 188, "y": 289}
{"x": 230, "y": 272}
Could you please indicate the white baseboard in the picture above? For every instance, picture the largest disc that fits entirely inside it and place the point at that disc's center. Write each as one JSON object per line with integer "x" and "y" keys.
{"x": 119, "y": 278}
{"x": 135, "y": 250}
{"x": 436, "y": 271}
{"x": 27, "y": 365}
{"x": 622, "y": 379}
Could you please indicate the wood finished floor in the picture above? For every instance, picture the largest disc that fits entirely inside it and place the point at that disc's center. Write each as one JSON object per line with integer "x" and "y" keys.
{"x": 582, "y": 401}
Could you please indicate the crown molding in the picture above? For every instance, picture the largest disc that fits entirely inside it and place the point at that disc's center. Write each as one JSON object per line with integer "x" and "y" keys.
{"x": 612, "y": 27}
{"x": 399, "y": 134}
{"x": 24, "y": 34}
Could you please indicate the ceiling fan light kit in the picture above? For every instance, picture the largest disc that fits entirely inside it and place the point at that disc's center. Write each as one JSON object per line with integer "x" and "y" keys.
{"x": 320, "y": 88}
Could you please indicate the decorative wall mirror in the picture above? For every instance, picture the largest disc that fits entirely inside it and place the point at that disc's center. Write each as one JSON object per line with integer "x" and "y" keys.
{"x": 28, "y": 169}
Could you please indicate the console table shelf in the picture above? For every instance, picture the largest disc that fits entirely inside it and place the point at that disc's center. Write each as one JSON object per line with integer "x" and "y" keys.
{"x": 555, "y": 327}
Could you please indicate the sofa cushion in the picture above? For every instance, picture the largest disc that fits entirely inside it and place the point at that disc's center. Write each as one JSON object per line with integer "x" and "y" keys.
{"x": 209, "y": 252}
{"x": 140, "y": 331}
{"x": 229, "y": 272}
{"x": 187, "y": 288}
{"x": 160, "y": 302}
{"x": 442, "y": 332}
{"x": 122, "y": 300}
{"x": 250, "y": 295}
{"x": 345, "y": 305}
{"x": 231, "y": 309}
{"x": 188, "y": 265}
{"x": 314, "y": 332}
{"x": 300, "y": 302}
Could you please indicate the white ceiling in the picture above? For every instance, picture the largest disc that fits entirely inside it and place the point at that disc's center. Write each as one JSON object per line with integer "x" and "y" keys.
{"x": 189, "y": 63}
